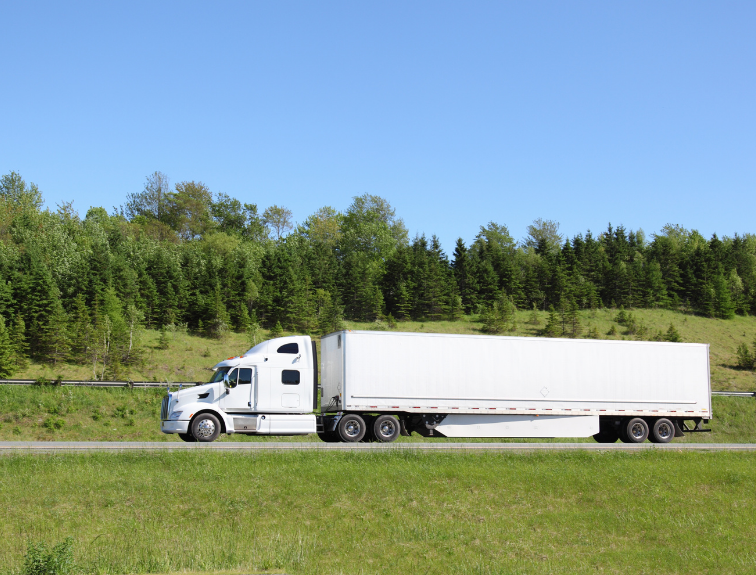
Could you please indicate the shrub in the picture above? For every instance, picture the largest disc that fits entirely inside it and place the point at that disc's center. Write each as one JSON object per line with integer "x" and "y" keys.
{"x": 57, "y": 561}
{"x": 53, "y": 423}
{"x": 673, "y": 335}
{"x": 612, "y": 330}
{"x": 745, "y": 358}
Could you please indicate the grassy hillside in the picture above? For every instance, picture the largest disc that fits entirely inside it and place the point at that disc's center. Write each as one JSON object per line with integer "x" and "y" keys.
{"x": 189, "y": 358}
{"x": 116, "y": 414}
{"x": 392, "y": 512}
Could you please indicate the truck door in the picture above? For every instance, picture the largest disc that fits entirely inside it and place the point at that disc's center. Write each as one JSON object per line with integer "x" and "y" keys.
{"x": 240, "y": 395}
{"x": 290, "y": 379}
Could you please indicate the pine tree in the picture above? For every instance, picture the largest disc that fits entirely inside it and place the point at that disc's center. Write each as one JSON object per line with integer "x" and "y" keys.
{"x": 276, "y": 330}
{"x": 553, "y": 325}
{"x": 7, "y": 355}
{"x": 217, "y": 316}
{"x": 572, "y": 316}
{"x": 724, "y": 307}
{"x": 81, "y": 330}
{"x": 18, "y": 339}
{"x": 163, "y": 341}
{"x": 745, "y": 358}
{"x": 673, "y": 335}
{"x": 58, "y": 343}
{"x": 533, "y": 318}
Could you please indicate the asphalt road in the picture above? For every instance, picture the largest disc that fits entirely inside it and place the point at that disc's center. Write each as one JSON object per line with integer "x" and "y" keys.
{"x": 101, "y": 446}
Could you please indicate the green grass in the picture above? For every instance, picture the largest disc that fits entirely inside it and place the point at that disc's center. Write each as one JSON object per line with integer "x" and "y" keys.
{"x": 32, "y": 413}
{"x": 392, "y": 512}
{"x": 189, "y": 358}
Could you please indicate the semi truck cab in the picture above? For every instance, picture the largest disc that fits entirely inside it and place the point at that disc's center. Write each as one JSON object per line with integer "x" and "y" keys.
{"x": 270, "y": 390}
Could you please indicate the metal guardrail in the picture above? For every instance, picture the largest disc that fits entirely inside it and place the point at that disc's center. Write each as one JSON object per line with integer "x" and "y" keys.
{"x": 735, "y": 393}
{"x": 104, "y": 383}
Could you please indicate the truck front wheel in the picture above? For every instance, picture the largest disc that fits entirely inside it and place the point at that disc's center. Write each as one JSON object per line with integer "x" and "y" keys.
{"x": 351, "y": 428}
{"x": 386, "y": 428}
{"x": 206, "y": 427}
{"x": 188, "y": 437}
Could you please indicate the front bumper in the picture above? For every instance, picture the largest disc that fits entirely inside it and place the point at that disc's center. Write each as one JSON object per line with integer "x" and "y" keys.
{"x": 174, "y": 426}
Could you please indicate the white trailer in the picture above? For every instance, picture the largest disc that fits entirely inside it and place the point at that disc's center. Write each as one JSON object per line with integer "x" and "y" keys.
{"x": 379, "y": 385}
{"x": 488, "y": 386}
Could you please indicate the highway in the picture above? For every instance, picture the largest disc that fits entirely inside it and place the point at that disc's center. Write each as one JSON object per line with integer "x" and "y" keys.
{"x": 246, "y": 447}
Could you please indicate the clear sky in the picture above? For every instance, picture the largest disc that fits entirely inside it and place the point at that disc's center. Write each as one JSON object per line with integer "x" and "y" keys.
{"x": 459, "y": 113}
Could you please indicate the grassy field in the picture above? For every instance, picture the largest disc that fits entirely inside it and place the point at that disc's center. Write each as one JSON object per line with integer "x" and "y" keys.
{"x": 31, "y": 413}
{"x": 189, "y": 358}
{"x": 392, "y": 512}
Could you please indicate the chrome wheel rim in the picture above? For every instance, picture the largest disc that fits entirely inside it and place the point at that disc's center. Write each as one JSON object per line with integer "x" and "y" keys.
{"x": 387, "y": 428}
{"x": 664, "y": 430}
{"x": 352, "y": 428}
{"x": 205, "y": 428}
{"x": 637, "y": 431}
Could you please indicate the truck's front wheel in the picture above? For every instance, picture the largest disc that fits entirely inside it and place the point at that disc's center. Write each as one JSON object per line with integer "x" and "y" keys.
{"x": 206, "y": 427}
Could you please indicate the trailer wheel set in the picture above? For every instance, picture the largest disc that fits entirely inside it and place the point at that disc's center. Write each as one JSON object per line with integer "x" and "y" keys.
{"x": 638, "y": 429}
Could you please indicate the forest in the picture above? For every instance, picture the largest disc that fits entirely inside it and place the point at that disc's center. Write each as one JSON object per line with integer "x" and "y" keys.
{"x": 82, "y": 290}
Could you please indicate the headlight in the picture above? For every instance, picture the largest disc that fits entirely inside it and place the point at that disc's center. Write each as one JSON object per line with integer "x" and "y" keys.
{"x": 176, "y": 414}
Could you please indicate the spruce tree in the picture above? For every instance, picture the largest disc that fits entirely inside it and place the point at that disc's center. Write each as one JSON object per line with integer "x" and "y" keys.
{"x": 533, "y": 318}
{"x": 58, "y": 343}
{"x": 745, "y": 358}
{"x": 81, "y": 330}
{"x": 18, "y": 339}
{"x": 7, "y": 355}
{"x": 276, "y": 330}
{"x": 572, "y": 315}
{"x": 673, "y": 335}
{"x": 553, "y": 325}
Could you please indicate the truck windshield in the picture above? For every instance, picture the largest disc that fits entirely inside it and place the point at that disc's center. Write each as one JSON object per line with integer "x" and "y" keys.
{"x": 218, "y": 375}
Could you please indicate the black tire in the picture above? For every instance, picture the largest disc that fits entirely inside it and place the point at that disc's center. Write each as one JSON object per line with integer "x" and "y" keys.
{"x": 662, "y": 431}
{"x": 351, "y": 428}
{"x": 385, "y": 428}
{"x": 634, "y": 430}
{"x": 329, "y": 436}
{"x": 206, "y": 428}
{"x": 188, "y": 437}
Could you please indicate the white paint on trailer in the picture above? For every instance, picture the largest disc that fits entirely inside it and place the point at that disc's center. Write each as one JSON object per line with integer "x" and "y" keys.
{"x": 449, "y": 373}
{"x": 519, "y": 426}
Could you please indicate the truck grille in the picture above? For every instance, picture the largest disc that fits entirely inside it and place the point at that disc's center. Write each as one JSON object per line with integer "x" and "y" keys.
{"x": 164, "y": 408}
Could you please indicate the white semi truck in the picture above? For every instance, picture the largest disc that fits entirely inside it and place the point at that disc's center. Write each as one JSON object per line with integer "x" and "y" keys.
{"x": 377, "y": 386}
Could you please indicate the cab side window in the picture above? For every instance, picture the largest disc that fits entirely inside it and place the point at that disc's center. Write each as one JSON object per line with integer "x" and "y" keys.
{"x": 245, "y": 376}
{"x": 233, "y": 378}
{"x": 290, "y": 377}
{"x": 289, "y": 348}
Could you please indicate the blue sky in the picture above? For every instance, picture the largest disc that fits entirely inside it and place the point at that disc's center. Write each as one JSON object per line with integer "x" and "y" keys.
{"x": 459, "y": 113}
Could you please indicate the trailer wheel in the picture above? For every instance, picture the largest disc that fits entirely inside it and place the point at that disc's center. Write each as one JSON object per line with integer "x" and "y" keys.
{"x": 206, "y": 428}
{"x": 386, "y": 428}
{"x": 634, "y": 430}
{"x": 351, "y": 428}
{"x": 663, "y": 431}
{"x": 188, "y": 437}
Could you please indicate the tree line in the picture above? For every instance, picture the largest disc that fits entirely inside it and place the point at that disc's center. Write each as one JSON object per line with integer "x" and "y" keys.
{"x": 181, "y": 257}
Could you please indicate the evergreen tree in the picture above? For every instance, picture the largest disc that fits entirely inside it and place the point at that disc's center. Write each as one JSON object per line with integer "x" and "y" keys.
{"x": 58, "y": 344}
{"x": 81, "y": 330}
{"x": 217, "y": 320}
{"x": 673, "y": 335}
{"x": 723, "y": 306}
{"x": 533, "y": 318}
{"x": 572, "y": 319}
{"x": 163, "y": 341}
{"x": 553, "y": 325}
{"x": 7, "y": 355}
{"x": 18, "y": 340}
{"x": 276, "y": 330}
{"x": 745, "y": 357}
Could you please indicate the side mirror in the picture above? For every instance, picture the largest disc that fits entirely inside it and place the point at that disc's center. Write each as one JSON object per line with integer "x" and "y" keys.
{"x": 225, "y": 381}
